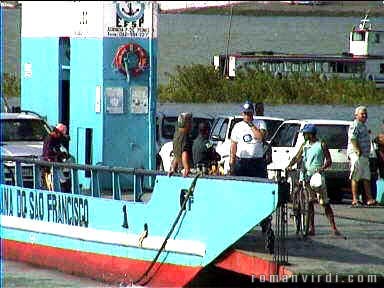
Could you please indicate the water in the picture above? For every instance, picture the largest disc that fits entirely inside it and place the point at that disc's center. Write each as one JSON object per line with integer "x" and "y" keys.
{"x": 187, "y": 39}
{"x": 20, "y": 275}
{"x": 196, "y": 38}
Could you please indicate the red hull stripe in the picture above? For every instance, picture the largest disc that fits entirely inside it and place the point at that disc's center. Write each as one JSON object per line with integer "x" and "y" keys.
{"x": 110, "y": 269}
{"x": 246, "y": 264}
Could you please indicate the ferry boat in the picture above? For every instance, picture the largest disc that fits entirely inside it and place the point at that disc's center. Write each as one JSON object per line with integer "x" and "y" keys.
{"x": 365, "y": 59}
{"x": 163, "y": 237}
{"x": 116, "y": 219}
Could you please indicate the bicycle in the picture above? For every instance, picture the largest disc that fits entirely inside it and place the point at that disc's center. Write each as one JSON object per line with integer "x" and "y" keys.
{"x": 300, "y": 207}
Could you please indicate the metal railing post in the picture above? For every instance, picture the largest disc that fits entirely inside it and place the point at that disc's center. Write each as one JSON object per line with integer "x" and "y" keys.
{"x": 56, "y": 179}
{"x": 95, "y": 185}
{"x": 116, "y": 189}
{"x": 75, "y": 181}
{"x": 2, "y": 173}
{"x": 137, "y": 186}
{"x": 36, "y": 176}
{"x": 18, "y": 174}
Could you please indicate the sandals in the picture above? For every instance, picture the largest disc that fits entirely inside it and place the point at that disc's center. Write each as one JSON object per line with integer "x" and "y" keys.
{"x": 357, "y": 204}
{"x": 372, "y": 203}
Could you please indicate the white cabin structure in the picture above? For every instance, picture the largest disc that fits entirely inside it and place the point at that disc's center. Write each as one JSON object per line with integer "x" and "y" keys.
{"x": 365, "y": 59}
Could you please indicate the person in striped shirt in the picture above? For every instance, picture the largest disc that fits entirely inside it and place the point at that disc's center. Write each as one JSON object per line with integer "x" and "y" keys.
{"x": 359, "y": 148}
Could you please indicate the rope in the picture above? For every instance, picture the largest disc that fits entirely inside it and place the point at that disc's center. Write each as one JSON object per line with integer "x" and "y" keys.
{"x": 186, "y": 198}
{"x": 228, "y": 40}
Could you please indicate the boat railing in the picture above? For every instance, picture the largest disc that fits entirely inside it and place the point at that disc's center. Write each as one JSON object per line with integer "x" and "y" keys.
{"x": 28, "y": 173}
{"x": 119, "y": 183}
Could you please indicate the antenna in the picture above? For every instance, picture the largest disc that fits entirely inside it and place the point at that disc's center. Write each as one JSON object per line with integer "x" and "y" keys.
{"x": 365, "y": 21}
{"x": 226, "y": 63}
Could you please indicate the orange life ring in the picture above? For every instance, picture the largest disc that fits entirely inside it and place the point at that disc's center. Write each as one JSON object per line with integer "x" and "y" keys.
{"x": 126, "y": 49}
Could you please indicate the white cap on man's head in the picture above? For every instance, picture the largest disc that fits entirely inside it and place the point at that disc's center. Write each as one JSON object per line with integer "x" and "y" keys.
{"x": 360, "y": 108}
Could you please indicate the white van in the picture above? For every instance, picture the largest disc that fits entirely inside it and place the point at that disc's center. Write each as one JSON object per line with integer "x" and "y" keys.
{"x": 287, "y": 141}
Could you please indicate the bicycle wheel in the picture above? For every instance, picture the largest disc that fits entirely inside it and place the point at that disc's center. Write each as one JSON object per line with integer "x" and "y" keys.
{"x": 296, "y": 207}
{"x": 304, "y": 211}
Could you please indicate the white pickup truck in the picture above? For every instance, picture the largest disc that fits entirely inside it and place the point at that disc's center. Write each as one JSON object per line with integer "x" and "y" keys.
{"x": 288, "y": 139}
{"x": 222, "y": 129}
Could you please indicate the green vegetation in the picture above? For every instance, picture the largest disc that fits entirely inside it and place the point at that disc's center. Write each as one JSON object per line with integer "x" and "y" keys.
{"x": 202, "y": 84}
{"x": 10, "y": 85}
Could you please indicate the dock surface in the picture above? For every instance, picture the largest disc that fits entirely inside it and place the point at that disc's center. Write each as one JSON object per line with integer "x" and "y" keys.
{"x": 359, "y": 251}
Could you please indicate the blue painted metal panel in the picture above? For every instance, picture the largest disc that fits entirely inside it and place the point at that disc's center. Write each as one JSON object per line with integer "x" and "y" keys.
{"x": 40, "y": 89}
{"x": 135, "y": 147}
{"x": 126, "y": 139}
{"x": 220, "y": 212}
{"x": 86, "y": 74}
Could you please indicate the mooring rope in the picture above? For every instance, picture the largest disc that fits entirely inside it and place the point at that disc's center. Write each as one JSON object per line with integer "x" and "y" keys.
{"x": 182, "y": 208}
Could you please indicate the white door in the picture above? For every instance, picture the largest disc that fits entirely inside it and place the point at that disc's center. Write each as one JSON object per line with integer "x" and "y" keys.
{"x": 222, "y": 143}
{"x": 285, "y": 144}
{"x": 336, "y": 137}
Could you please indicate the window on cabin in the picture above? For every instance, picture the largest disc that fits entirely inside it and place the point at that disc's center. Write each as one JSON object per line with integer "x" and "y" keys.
{"x": 377, "y": 38}
{"x": 382, "y": 68}
{"x": 358, "y": 36}
{"x": 318, "y": 67}
{"x": 353, "y": 68}
{"x": 332, "y": 67}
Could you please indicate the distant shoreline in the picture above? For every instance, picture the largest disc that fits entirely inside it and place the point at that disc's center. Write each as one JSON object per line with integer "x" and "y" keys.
{"x": 329, "y": 9}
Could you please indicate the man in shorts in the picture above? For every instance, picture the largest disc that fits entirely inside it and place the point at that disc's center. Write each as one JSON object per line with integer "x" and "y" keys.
{"x": 359, "y": 148}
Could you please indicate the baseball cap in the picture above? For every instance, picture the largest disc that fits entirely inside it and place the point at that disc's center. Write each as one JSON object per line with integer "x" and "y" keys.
{"x": 247, "y": 107}
{"x": 61, "y": 128}
{"x": 309, "y": 128}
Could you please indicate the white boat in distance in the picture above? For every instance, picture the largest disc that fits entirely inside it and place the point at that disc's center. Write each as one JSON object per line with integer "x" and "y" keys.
{"x": 365, "y": 59}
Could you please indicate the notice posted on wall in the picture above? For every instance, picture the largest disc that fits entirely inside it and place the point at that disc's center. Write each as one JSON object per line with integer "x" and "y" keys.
{"x": 139, "y": 96}
{"x": 115, "y": 100}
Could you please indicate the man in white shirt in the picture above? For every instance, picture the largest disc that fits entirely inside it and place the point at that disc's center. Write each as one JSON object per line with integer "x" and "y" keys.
{"x": 247, "y": 148}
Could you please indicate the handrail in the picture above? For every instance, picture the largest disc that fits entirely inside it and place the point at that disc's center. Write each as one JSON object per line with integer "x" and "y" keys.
{"x": 99, "y": 168}
{"x": 131, "y": 171}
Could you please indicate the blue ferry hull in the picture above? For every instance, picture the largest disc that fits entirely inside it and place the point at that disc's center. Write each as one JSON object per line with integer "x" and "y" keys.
{"x": 103, "y": 238}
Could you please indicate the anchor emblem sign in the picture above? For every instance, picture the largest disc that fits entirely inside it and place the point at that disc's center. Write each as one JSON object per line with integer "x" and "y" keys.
{"x": 130, "y": 12}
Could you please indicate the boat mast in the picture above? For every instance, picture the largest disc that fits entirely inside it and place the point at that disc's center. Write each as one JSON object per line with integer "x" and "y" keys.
{"x": 228, "y": 41}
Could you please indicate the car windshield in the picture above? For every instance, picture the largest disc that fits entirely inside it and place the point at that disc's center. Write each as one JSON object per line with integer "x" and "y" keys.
{"x": 169, "y": 125}
{"x": 23, "y": 130}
